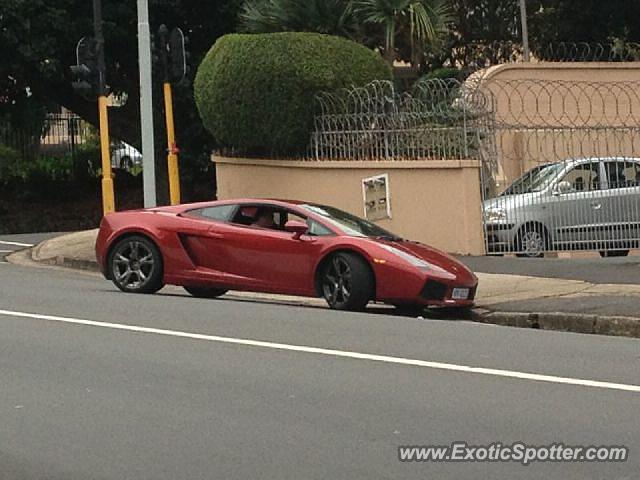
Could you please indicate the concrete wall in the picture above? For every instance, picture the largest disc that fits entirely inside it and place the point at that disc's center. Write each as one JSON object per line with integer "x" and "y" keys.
{"x": 547, "y": 112}
{"x": 435, "y": 202}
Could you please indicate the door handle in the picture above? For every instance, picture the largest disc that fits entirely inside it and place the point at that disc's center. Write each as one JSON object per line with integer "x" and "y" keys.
{"x": 217, "y": 235}
{"x": 596, "y": 205}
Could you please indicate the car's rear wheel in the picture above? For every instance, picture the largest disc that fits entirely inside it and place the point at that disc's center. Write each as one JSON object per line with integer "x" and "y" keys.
{"x": 532, "y": 241}
{"x": 206, "y": 292}
{"x": 135, "y": 265}
{"x": 347, "y": 282}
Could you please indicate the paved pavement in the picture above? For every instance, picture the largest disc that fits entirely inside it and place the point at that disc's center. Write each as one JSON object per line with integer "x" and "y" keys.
{"x": 104, "y": 385}
{"x": 593, "y": 269}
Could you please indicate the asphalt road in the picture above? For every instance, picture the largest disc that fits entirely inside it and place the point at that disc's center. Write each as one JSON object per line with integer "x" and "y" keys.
{"x": 96, "y": 384}
{"x": 12, "y": 243}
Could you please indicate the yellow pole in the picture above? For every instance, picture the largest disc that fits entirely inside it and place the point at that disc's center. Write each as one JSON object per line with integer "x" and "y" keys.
{"x": 172, "y": 156}
{"x": 108, "y": 201}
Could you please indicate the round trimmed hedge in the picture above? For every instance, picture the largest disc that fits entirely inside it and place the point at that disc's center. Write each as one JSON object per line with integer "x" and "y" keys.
{"x": 255, "y": 92}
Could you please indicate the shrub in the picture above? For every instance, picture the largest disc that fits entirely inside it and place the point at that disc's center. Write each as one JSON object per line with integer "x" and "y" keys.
{"x": 255, "y": 93}
{"x": 9, "y": 163}
{"x": 442, "y": 73}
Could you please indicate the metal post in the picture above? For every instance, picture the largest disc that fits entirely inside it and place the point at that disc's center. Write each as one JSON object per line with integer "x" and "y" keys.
{"x": 172, "y": 149}
{"x": 525, "y": 31}
{"x": 146, "y": 106}
{"x": 108, "y": 198}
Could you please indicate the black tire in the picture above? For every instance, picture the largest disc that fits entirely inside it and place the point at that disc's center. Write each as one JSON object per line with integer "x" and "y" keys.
{"x": 206, "y": 292}
{"x": 125, "y": 163}
{"x": 135, "y": 265}
{"x": 410, "y": 310}
{"x": 347, "y": 282}
{"x": 614, "y": 253}
{"x": 532, "y": 241}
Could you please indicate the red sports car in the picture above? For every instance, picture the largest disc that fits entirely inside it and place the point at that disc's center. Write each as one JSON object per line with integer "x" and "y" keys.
{"x": 285, "y": 247}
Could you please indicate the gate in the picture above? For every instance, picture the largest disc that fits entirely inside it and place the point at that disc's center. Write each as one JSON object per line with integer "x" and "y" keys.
{"x": 566, "y": 174}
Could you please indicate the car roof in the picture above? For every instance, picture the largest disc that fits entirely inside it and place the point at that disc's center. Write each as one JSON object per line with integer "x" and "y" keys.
{"x": 232, "y": 201}
{"x": 578, "y": 160}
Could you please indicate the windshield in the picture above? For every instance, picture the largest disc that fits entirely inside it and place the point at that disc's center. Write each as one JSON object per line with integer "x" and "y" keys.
{"x": 350, "y": 224}
{"x": 534, "y": 180}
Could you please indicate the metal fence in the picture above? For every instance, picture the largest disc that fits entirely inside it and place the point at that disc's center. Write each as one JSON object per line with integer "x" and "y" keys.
{"x": 473, "y": 56}
{"x": 66, "y": 134}
{"x": 438, "y": 119}
{"x": 60, "y": 133}
{"x": 560, "y": 160}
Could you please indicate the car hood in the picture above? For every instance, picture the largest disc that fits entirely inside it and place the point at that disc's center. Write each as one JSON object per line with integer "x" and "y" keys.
{"x": 509, "y": 202}
{"x": 435, "y": 257}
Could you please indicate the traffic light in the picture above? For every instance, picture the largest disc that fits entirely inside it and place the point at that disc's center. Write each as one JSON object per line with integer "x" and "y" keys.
{"x": 177, "y": 56}
{"x": 171, "y": 54}
{"x": 85, "y": 73}
{"x": 84, "y": 83}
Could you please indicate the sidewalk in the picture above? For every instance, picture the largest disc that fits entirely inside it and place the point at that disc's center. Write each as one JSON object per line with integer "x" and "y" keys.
{"x": 506, "y": 299}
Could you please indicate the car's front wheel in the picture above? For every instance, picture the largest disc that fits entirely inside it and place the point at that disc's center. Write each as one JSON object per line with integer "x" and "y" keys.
{"x": 532, "y": 241}
{"x": 205, "y": 292}
{"x": 135, "y": 265}
{"x": 347, "y": 282}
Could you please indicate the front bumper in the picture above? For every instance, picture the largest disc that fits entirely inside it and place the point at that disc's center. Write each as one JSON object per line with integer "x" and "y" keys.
{"x": 416, "y": 287}
{"x": 441, "y": 294}
{"x": 500, "y": 237}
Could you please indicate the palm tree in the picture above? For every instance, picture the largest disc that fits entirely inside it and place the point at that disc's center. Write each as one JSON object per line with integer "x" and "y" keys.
{"x": 334, "y": 17}
{"x": 423, "y": 21}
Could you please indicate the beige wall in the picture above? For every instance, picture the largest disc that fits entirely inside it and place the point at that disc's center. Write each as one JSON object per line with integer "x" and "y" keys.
{"x": 435, "y": 202}
{"x": 547, "y": 112}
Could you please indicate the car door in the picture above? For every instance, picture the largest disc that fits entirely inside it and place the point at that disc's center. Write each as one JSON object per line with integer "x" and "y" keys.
{"x": 621, "y": 202}
{"x": 266, "y": 259}
{"x": 577, "y": 213}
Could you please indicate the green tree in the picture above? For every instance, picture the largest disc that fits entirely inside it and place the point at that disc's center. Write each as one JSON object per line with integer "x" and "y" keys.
{"x": 419, "y": 22}
{"x": 37, "y": 44}
{"x": 591, "y": 21}
{"x": 332, "y": 17}
{"x": 400, "y": 28}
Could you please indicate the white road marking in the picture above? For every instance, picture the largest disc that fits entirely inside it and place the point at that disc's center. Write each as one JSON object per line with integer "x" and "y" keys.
{"x": 17, "y": 244}
{"x": 7, "y": 251}
{"x": 333, "y": 353}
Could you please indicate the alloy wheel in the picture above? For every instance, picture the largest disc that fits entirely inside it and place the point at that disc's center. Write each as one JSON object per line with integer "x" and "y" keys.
{"x": 532, "y": 243}
{"x": 133, "y": 265}
{"x": 337, "y": 282}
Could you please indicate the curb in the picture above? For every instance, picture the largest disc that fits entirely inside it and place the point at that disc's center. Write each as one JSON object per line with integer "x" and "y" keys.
{"x": 563, "y": 322}
{"x": 62, "y": 261}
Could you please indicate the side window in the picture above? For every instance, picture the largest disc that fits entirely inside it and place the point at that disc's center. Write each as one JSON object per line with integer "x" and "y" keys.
{"x": 317, "y": 229}
{"x": 584, "y": 178}
{"x": 622, "y": 174}
{"x": 220, "y": 213}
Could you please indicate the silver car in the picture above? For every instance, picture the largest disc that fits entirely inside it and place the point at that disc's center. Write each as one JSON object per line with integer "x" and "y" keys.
{"x": 124, "y": 156}
{"x": 576, "y": 204}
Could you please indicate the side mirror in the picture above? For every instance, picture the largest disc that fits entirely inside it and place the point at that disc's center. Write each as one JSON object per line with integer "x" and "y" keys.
{"x": 296, "y": 227}
{"x": 563, "y": 187}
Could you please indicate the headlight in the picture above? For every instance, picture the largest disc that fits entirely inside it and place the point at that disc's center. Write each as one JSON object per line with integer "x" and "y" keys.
{"x": 495, "y": 213}
{"x": 419, "y": 263}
